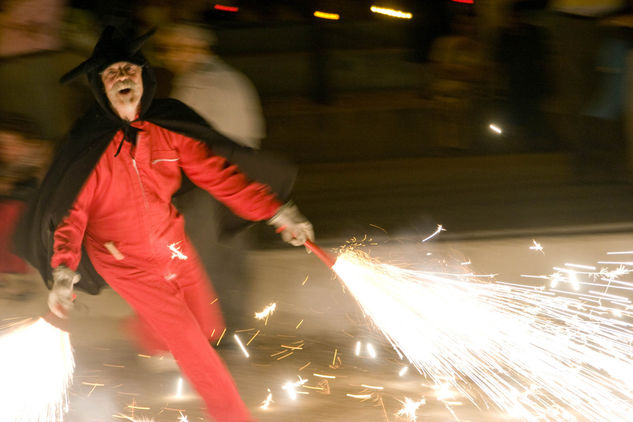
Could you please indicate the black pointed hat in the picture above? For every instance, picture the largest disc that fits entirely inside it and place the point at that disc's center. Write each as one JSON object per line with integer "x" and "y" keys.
{"x": 113, "y": 46}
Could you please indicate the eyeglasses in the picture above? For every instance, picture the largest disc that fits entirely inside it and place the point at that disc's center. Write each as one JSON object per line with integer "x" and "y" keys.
{"x": 128, "y": 69}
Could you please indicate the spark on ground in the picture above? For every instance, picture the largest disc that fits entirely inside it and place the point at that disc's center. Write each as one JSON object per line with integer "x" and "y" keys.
{"x": 269, "y": 399}
{"x": 435, "y": 233}
{"x": 266, "y": 312}
{"x": 410, "y": 407}
{"x": 536, "y": 246}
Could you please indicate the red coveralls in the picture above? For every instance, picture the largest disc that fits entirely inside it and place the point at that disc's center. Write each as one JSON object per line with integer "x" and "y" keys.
{"x": 136, "y": 240}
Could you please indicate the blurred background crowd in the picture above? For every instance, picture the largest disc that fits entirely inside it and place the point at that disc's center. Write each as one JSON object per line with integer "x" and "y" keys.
{"x": 332, "y": 81}
{"x": 358, "y": 80}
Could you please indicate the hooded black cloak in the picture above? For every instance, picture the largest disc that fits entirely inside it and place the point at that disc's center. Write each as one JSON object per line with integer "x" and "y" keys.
{"x": 91, "y": 134}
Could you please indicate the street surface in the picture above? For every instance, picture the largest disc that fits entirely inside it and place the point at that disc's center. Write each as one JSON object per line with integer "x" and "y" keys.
{"x": 313, "y": 313}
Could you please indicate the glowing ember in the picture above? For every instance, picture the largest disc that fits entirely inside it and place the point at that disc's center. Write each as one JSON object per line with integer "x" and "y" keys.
{"x": 534, "y": 353}
{"x": 36, "y": 367}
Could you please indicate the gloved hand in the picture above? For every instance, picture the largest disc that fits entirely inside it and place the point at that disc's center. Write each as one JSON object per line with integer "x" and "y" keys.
{"x": 295, "y": 228}
{"x": 60, "y": 298}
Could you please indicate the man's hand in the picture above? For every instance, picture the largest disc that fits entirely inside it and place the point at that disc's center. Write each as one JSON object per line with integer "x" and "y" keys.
{"x": 60, "y": 298}
{"x": 295, "y": 228}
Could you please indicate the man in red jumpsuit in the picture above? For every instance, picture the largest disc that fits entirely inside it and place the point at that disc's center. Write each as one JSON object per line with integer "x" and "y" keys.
{"x": 124, "y": 220}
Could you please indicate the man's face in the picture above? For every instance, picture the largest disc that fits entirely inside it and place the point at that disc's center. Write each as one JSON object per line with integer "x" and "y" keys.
{"x": 123, "y": 83}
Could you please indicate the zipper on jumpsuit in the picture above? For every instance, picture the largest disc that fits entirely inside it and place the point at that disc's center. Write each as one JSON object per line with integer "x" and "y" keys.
{"x": 140, "y": 182}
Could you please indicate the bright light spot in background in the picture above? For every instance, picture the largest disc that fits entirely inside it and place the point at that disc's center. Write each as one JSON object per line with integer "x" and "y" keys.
{"x": 391, "y": 12}
{"x": 226, "y": 8}
{"x": 495, "y": 128}
{"x": 325, "y": 15}
{"x": 358, "y": 345}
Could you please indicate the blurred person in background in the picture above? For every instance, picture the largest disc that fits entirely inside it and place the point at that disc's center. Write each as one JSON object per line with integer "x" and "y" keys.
{"x": 23, "y": 159}
{"x": 104, "y": 213}
{"x": 221, "y": 94}
{"x": 522, "y": 55}
{"x": 229, "y": 102}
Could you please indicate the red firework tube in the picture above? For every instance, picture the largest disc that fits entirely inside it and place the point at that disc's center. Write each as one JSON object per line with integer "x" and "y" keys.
{"x": 327, "y": 259}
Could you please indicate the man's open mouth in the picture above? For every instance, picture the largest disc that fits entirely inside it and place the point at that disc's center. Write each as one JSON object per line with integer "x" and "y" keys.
{"x": 125, "y": 91}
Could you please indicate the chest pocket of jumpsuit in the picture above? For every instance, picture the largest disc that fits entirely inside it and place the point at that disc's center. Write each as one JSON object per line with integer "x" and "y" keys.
{"x": 166, "y": 162}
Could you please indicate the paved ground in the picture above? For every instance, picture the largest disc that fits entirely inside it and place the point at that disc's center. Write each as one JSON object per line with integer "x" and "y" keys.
{"x": 330, "y": 321}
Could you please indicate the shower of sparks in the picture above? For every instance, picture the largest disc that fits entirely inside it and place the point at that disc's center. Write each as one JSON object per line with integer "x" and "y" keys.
{"x": 266, "y": 312}
{"x": 536, "y": 246}
{"x": 269, "y": 399}
{"x": 183, "y": 418}
{"x": 36, "y": 367}
{"x": 537, "y": 354}
{"x": 239, "y": 342}
{"x": 176, "y": 252}
{"x": 291, "y": 387}
{"x": 410, "y": 407}
{"x": 435, "y": 233}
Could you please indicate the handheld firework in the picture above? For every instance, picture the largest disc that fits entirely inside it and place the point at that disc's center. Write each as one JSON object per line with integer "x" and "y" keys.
{"x": 37, "y": 366}
{"x": 320, "y": 253}
{"x": 532, "y": 353}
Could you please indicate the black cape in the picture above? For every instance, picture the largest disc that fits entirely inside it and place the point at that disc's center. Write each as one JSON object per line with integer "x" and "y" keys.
{"x": 78, "y": 155}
